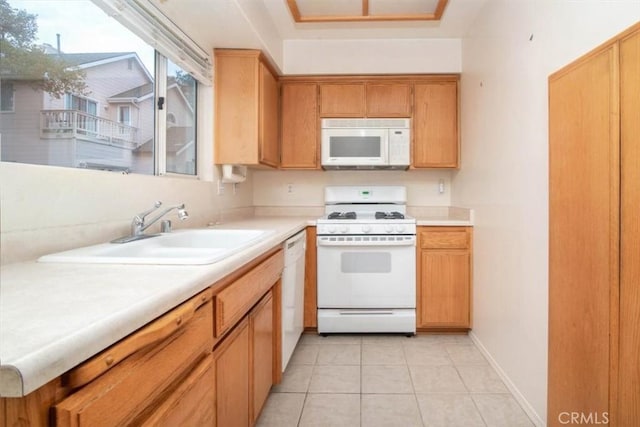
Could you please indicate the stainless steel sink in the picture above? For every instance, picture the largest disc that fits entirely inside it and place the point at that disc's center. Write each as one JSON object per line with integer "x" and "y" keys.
{"x": 188, "y": 247}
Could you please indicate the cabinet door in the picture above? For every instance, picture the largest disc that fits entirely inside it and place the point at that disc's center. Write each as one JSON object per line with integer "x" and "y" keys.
{"x": 629, "y": 376}
{"x": 262, "y": 347}
{"x": 269, "y": 153}
{"x": 445, "y": 289}
{"x": 388, "y": 100}
{"x": 192, "y": 403}
{"x": 342, "y": 100}
{"x": 236, "y": 108}
{"x": 232, "y": 378}
{"x": 435, "y": 125}
{"x": 299, "y": 142}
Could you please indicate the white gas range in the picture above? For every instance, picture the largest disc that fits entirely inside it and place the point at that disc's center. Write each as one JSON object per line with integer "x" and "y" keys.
{"x": 366, "y": 261}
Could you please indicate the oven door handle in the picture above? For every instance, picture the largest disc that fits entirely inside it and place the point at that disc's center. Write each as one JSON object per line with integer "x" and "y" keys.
{"x": 357, "y": 241}
{"x": 362, "y": 312}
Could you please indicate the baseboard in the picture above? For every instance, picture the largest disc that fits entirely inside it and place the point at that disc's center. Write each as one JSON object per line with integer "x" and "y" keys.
{"x": 526, "y": 406}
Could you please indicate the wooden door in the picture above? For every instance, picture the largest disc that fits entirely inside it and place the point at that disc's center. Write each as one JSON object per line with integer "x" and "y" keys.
{"x": 628, "y": 412}
{"x": 262, "y": 346}
{"x": 342, "y": 100}
{"x": 445, "y": 282}
{"x": 232, "y": 378}
{"x": 388, "y": 100}
{"x": 435, "y": 125}
{"x": 583, "y": 234}
{"x": 268, "y": 139}
{"x": 299, "y": 143}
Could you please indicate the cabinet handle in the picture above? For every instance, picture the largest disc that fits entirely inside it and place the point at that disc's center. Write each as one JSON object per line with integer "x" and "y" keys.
{"x": 154, "y": 332}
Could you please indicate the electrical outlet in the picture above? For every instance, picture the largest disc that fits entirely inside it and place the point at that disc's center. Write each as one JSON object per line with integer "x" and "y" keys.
{"x": 441, "y": 186}
{"x": 220, "y": 188}
{"x": 289, "y": 188}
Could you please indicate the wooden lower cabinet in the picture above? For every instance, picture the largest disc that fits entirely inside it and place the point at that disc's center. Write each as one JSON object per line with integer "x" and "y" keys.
{"x": 186, "y": 368}
{"x": 191, "y": 403}
{"x": 244, "y": 367}
{"x": 157, "y": 375}
{"x": 232, "y": 378}
{"x": 444, "y": 277}
{"x": 261, "y": 354}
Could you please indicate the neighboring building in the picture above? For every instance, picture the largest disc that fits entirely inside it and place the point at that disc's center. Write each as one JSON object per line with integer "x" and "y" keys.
{"x": 105, "y": 128}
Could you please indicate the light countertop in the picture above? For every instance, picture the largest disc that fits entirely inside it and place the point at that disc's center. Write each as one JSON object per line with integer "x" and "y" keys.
{"x": 55, "y": 316}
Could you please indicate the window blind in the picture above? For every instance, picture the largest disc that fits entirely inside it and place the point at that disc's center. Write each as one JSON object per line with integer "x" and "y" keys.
{"x": 150, "y": 24}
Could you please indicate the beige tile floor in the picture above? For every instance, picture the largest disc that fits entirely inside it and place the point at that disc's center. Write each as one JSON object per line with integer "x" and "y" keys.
{"x": 390, "y": 380}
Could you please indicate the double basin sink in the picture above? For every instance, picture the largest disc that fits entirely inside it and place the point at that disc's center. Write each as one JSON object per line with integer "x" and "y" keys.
{"x": 187, "y": 247}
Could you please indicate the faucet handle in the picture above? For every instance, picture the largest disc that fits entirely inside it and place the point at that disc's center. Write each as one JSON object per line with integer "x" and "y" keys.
{"x": 156, "y": 205}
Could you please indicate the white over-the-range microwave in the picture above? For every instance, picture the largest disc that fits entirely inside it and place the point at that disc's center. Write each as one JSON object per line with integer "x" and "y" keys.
{"x": 366, "y": 143}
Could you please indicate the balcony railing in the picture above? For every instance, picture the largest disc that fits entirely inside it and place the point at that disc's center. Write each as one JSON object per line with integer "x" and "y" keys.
{"x": 55, "y": 124}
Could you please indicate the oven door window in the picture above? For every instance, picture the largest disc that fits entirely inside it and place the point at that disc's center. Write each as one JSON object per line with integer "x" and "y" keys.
{"x": 366, "y": 262}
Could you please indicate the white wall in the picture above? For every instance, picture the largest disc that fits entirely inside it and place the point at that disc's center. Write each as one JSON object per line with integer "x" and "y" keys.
{"x": 371, "y": 56}
{"x": 506, "y": 59}
{"x": 48, "y": 209}
{"x": 271, "y": 188}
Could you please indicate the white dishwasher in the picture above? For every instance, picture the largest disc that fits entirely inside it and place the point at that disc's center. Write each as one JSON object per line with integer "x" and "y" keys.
{"x": 292, "y": 294}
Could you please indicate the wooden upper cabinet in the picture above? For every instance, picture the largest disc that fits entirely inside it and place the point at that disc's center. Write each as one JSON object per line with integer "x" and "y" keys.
{"x": 300, "y": 134}
{"x": 388, "y": 100}
{"x": 365, "y": 99}
{"x": 435, "y": 125}
{"x": 246, "y": 109}
{"x": 342, "y": 99}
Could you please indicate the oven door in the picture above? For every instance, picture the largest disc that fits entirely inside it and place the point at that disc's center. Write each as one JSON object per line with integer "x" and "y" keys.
{"x": 354, "y": 147}
{"x": 366, "y": 271}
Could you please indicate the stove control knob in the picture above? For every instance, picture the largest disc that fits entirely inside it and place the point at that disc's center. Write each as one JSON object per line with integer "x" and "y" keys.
{"x": 331, "y": 229}
{"x": 399, "y": 228}
{"x": 344, "y": 229}
{"x": 388, "y": 228}
{"x": 366, "y": 229}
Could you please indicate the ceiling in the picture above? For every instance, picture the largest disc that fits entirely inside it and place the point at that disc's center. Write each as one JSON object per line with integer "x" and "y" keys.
{"x": 266, "y": 24}
{"x": 366, "y": 10}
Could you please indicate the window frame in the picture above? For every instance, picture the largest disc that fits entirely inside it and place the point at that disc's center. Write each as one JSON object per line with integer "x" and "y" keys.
{"x": 122, "y": 108}
{"x": 12, "y": 97}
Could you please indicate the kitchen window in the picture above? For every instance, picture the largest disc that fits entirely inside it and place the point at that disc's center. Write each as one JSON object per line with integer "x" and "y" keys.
{"x": 100, "y": 103}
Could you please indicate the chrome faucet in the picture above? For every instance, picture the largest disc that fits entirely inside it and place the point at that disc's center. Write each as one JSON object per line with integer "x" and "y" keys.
{"x": 139, "y": 225}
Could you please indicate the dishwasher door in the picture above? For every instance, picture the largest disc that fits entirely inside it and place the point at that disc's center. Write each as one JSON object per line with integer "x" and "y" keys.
{"x": 292, "y": 294}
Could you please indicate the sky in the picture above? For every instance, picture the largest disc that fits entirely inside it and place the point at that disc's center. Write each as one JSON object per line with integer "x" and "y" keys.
{"x": 83, "y": 27}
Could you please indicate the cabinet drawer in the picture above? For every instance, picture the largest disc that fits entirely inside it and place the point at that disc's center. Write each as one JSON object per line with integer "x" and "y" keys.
{"x": 444, "y": 239}
{"x": 132, "y": 375}
{"x": 234, "y": 301}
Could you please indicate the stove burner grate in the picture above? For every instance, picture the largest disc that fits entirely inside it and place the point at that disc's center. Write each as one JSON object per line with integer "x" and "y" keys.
{"x": 342, "y": 215}
{"x": 389, "y": 215}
